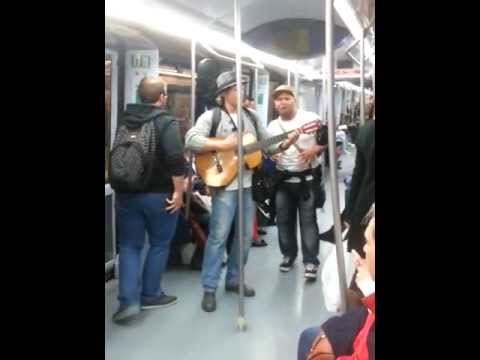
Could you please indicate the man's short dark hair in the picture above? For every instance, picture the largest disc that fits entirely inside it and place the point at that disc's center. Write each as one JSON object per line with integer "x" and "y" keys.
{"x": 150, "y": 89}
{"x": 249, "y": 98}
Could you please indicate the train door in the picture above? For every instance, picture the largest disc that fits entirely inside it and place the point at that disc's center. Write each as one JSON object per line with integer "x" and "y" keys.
{"x": 262, "y": 95}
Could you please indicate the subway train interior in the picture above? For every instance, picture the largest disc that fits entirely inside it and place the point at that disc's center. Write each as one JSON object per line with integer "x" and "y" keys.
{"x": 188, "y": 44}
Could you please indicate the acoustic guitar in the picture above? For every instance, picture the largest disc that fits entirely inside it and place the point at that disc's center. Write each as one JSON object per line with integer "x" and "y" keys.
{"x": 219, "y": 168}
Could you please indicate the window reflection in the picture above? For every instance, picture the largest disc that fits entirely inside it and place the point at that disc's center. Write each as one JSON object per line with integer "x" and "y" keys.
{"x": 179, "y": 98}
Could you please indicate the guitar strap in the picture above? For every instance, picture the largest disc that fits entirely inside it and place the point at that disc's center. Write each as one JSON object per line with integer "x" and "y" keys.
{"x": 296, "y": 145}
{"x": 231, "y": 120}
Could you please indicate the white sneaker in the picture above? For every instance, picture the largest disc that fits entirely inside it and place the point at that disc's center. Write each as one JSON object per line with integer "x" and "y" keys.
{"x": 286, "y": 264}
{"x": 311, "y": 271}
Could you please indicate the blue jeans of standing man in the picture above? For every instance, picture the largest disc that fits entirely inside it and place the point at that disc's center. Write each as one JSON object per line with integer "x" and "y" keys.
{"x": 135, "y": 214}
{"x": 288, "y": 201}
{"x": 224, "y": 209}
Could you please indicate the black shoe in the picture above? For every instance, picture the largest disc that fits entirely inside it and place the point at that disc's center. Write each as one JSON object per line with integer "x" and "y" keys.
{"x": 158, "y": 302}
{"x": 260, "y": 243}
{"x": 126, "y": 312}
{"x": 248, "y": 291}
{"x": 311, "y": 271}
{"x": 286, "y": 264}
{"x": 261, "y": 232}
{"x": 209, "y": 303}
{"x": 329, "y": 236}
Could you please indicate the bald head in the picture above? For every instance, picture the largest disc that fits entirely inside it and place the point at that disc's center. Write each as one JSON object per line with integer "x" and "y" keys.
{"x": 151, "y": 88}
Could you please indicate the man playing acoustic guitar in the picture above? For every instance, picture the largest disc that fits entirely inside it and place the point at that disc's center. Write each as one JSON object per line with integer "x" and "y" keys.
{"x": 205, "y": 138}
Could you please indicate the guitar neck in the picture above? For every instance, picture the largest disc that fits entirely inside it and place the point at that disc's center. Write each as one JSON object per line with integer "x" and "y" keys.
{"x": 265, "y": 143}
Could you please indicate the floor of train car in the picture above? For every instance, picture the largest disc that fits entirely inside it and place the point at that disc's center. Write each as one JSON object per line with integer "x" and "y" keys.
{"x": 283, "y": 306}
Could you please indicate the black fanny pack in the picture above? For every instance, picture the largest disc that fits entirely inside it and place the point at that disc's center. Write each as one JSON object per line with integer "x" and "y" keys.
{"x": 318, "y": 190}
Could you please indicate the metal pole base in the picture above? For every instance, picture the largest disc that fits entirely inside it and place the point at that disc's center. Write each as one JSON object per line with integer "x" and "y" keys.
{"x": 241, "y": 323}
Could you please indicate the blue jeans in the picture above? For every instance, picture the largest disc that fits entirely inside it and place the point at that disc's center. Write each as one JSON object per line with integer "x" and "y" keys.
{"x": 305, "y": 342}
{"x": 288, "y": 201}
{"x": 224, "y": 211}
{"x": 135, "y": 214}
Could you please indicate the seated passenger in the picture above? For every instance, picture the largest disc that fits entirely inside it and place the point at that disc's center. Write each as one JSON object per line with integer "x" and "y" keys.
{"x": 195, "y": 229}
{"x": 362, "y": 191}
{"x": 262, "y": 192}
{"x": 352, "y": 335}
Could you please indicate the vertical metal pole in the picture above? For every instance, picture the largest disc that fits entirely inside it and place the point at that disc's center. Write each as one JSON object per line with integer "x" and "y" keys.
{"x": 256, "y": 86}
{"x": 362, "y": 79}
{"x": 331, "y": 150}
{"x": 296, "y": 77}
{"x": 288, "y": 77}
{"x": 373, "y": 81}
{"x": 373, "y": 69}
{"x": 241, "y": 323}
{"x": 318, "y": 93}
{"x": 192, "y": 122}
{"x": 194, "y": 82}
{"x": 324, "y": 89}
{"x": 373, "y": 72}
{"x": 114, "y": 235}
{"x": 373, "y": 85}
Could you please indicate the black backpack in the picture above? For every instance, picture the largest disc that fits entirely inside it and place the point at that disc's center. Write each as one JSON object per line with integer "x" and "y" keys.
{"x": 263, "y": 184}
{"x": 133, "y": 156}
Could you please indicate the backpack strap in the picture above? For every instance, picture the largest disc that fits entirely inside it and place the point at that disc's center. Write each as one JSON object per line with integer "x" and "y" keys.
{"x": 252, "y": 118}
{"x": 216, "y": 117}
{"x": 162, "y": 120}
{"x": 160, "y": 123}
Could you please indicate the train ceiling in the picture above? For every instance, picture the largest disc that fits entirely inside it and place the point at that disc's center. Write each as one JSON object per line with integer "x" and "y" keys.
{"x": 291, "y": 29}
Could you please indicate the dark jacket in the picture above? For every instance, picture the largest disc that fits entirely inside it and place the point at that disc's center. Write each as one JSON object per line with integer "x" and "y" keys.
{"x": 352, "y": 335}
{"x": 362, "y": 192}
{"x": 169, "y": 160}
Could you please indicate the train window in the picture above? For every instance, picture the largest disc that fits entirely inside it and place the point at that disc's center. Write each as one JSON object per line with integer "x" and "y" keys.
{"x": 179, "y": 98}
{"x": 108, "y": 110}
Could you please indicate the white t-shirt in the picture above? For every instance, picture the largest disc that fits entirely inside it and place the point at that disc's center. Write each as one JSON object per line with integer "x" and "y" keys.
{"x": 289, "y": 159}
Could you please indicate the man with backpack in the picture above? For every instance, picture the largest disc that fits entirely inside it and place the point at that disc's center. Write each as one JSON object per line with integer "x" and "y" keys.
{"x": 147, "y": 168}
{"x": 216, "y": 130}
